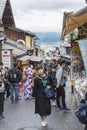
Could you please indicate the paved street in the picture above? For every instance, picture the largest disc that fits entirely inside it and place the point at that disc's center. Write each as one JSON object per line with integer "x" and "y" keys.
{"x": 20, "y": 116}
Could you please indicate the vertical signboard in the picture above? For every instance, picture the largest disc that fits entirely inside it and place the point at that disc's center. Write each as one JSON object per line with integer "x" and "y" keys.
{"x": 6, "y": 58}
{"x": 76, "y": 60}
{"x": 83, "y": 48}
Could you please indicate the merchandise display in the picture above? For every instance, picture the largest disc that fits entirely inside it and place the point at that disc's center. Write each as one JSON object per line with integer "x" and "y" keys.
{"x": 79, "y": 68}
{"x": 77, "y": 64}
{"x": 81, "y": 87}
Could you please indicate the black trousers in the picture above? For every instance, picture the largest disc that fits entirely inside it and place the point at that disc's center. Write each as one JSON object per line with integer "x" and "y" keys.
{"x": 7, "y": 89}
{"x": 61, "y": 93}
{"x": 1, "y": 102}
{"x": 85, "y": 127}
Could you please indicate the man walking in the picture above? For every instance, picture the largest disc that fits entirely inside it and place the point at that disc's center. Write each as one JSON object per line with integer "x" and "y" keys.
{"x": 60, "y": 87}
{"x": 14, "y": 77}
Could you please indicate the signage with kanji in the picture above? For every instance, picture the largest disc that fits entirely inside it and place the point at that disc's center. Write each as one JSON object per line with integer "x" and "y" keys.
{"x": 6, "y": 58}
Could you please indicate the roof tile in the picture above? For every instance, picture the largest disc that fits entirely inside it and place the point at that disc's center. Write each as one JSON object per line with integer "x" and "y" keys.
{"x": 2, "y": 7}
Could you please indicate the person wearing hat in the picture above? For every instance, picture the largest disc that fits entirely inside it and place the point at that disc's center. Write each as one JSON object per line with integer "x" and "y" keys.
{"x": 42, "y": 104}
{"x": 1, "y": 90}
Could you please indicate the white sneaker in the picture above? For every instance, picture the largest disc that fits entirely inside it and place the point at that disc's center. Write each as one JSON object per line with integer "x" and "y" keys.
{"x": 43, "y": 123}
{"x": 53, "y": 103}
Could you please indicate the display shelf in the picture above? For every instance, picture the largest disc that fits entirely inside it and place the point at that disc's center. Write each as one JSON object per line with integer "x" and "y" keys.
{"x": 80, "y": 89}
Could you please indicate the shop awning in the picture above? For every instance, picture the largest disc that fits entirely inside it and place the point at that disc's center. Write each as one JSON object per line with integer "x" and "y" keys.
{"x": 24, "y": 58}
{"x": 16, "y": 51}
{"x": 35, "y": 59}
{"x": 30, "y": 58}
{"x": 72, "y": 21}
{"x": 66, "y": 58}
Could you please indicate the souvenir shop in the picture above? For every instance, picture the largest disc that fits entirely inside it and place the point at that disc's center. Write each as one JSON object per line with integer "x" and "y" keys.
{"x": 79, "y": 67}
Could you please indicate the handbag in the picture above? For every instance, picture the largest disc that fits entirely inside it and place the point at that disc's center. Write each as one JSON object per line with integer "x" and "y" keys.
{"x": 81, "y": 112}
{"x": 49, "y": 93}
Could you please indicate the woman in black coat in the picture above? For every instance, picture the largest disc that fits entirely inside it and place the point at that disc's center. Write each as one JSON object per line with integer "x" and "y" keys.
{"x": 42, "y": 104}
{"x": 6, "y": 83}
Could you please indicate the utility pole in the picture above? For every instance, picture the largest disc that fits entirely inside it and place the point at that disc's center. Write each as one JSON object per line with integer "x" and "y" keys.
{"x": 71, "y": 75}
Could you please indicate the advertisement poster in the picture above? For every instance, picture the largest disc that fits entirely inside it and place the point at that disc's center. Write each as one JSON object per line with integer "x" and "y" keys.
{"x": 6, "y": 59}
{"x": 83, "y": 49}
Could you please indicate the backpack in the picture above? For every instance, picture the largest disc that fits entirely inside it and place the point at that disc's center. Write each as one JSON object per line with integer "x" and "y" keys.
{"x": 14, "y": 75}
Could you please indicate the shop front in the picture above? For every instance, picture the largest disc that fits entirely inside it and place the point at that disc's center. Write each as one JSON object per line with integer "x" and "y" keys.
{"x": 81, "y": 71}
{"x": 78, "y": 53}
{"x": 79, "y": 68}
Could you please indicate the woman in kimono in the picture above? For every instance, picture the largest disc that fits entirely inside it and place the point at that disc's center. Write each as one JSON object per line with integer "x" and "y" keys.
{"x": 42, "y": 104}
{"x": 27, "y": 79}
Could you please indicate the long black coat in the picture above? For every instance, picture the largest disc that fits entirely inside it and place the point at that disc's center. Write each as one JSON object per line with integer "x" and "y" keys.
{"x": 42, "y": 104}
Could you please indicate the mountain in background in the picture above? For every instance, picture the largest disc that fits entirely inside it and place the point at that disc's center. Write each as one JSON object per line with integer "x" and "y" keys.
{"x": 48, "y": 37}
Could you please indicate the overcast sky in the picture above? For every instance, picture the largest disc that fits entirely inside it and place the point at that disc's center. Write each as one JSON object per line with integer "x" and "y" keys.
{"x": 43, "y": 15}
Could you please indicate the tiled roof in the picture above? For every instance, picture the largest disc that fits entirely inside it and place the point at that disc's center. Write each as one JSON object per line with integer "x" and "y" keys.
{"x": 20, "y": 51}
{"x": 18, "y": 45}
{"x": 31, "y": 58}
{"x": 2, "y": 7}
{"x": 16, "y": 51}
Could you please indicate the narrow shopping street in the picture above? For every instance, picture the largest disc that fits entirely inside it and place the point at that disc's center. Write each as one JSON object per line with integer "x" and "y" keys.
{"x": 43, "y": 44}
{"x": 20, "y": 116}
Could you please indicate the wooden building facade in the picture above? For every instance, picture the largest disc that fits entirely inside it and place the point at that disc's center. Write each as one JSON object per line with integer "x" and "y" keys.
{"x": 16, "y": 35}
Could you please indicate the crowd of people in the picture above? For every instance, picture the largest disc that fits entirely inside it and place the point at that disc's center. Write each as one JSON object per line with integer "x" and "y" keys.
{"x": 47, "y": 77}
